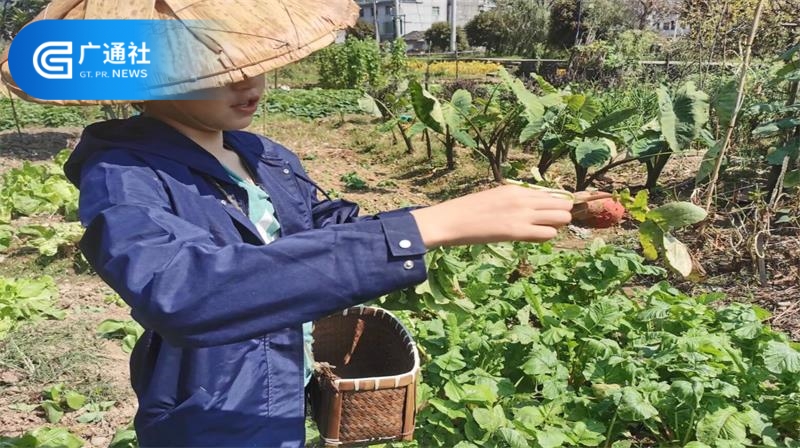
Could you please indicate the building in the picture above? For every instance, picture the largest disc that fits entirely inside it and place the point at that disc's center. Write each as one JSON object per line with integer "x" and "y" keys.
{"x": 666, "y": 21}
{"x": 416, "y": 15}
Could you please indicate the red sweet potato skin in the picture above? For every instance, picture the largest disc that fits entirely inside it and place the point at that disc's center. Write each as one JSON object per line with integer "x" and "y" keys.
{"x": 599, "y": 214}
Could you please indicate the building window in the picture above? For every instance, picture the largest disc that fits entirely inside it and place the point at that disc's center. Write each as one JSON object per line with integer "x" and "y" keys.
{"x": 435, "y": 12}
{"x": 672, "y": 25}
{"x": 666, "y": 25}
{"x": 361, "y": 13}
{"x": 388, "y": 10}
{"x": 367, "y": 12}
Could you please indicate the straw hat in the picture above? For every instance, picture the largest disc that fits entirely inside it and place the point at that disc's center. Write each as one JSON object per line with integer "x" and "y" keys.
{"x": 250, "y": 37}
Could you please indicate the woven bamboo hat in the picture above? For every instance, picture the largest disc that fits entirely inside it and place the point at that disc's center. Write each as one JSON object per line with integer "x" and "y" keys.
{"x": 249, "y": 37}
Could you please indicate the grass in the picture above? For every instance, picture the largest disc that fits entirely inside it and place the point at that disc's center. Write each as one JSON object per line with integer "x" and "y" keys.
{"x": 49, "y": 352}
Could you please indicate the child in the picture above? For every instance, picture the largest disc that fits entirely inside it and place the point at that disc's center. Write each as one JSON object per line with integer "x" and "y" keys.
{"x": 218, "y": 241}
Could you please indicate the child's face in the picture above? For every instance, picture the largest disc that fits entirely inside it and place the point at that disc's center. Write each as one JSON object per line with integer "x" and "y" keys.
{"x": 227, "y": 108}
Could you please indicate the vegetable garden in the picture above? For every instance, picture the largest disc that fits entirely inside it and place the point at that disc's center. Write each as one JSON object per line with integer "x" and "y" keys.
{"x": 677, "y": 328}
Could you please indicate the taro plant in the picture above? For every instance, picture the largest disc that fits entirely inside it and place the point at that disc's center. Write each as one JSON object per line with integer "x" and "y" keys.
{"x": 446, "y": 119}
{"x": 485, "y": 125}
{"x": 782, "y": 129}
{"x": 388, "y": 98}
{"x": 682, "y": 116}
{"x": 566, "y": 124}
{"x": 656, "y": 227}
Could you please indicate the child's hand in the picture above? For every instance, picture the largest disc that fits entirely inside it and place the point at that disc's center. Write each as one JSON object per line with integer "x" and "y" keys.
{"x": 507, "y": 213}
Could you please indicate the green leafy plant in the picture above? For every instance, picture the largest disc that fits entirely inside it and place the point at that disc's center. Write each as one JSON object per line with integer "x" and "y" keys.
{"x": 353, "y": 182}
{"x": 124, "y": 438}
{"x": 25, "y": 300}
{"x": 43, "y": 438}
{"x": 571, "y": 124}
{"x": 56, "y": 401}
{"x": 682, "y": 116}
{"x": 127, "y": 330}
{"x": 446, "y": 119}
{"x": 95, "y": 411}
{"x": 49, "y": 239}
{"x": 656, "y": 225}
{"x": 313, "y": 103}
{"x": 39, "y": 189}
{"x": 352, "y": 65}
{"x": 526, "y": 346}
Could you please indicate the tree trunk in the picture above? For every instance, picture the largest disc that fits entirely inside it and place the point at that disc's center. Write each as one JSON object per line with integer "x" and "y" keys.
{"x": 449, "y": 150}
{"x": 545, "y": 161}
{"x": 427, "y": 138}
{"x": 406, "y": 139}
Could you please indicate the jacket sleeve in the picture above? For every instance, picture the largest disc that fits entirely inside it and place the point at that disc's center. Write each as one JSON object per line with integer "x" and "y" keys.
{"x": 193, "y": 292}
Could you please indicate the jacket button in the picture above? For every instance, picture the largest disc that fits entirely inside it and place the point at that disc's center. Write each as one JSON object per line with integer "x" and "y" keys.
{"x": 408, "y": 264}
{"x": 404, "y": 244}
{"x": 286, "y": 171}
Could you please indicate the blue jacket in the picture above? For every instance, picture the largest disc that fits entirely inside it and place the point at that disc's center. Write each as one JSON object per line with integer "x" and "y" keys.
{"x": 221, "y": 361}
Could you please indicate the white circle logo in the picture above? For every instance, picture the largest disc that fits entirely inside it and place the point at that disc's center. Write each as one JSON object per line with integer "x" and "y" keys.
{"x": 53, "y": 67}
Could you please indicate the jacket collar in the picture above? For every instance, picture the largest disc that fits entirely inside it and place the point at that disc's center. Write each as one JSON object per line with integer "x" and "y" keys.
{"x": 172, "y": 144}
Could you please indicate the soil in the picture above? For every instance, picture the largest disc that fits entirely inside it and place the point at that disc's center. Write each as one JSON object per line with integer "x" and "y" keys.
{"x": 329, "y": 149}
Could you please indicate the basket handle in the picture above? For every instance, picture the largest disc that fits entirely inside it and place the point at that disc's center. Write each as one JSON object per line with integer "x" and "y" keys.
{"x": 356, "y": 337}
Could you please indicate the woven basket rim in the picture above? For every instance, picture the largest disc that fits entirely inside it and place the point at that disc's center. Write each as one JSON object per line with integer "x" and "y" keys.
{"x": 379, "y": 382}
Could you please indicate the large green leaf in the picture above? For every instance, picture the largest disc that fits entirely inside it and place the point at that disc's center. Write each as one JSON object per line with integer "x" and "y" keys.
{"x": 584, "y": 434}
{"x": 451, "y": 361}
{"x": 454, "y": 120}
{"x": 490, "y": 419}
{"x": 45, "y": 438}
{"x": 682, "y": 115}
{"x": 551, "y": 437}
{"x": 780, "y": 358}
{"x": 667, "y": 118}
{"x": 513, "y": 438}
{"x": 592, "y": 152}
{"x": 544, "y": 85}
{"x": 462, "y": 101}
{"x": 427, "y": 107}
{"x": 533, "y": 106}
{"x": 776, "y": 127}
{"x": 723, "y": 424}
{"x": 532, "y": 129}
{"x": 649, "y": 144}
{"x": 708, "y": 163}
{"x": 650, "y": 237}
{"x": 725, "y": 102}
{"x": 479, "y": 393}
{"x": 791, "y": 149}
{"x": 675, "y": 215}
{"x": 634, "y": 407}
{"x": 609, "y": 121}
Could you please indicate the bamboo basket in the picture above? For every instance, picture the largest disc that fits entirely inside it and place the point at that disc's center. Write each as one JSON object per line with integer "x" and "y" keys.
{"x": 365, "y": 378}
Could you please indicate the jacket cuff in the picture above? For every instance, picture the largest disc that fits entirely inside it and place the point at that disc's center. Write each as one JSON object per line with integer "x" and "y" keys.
{"x": 402, "y": 234}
